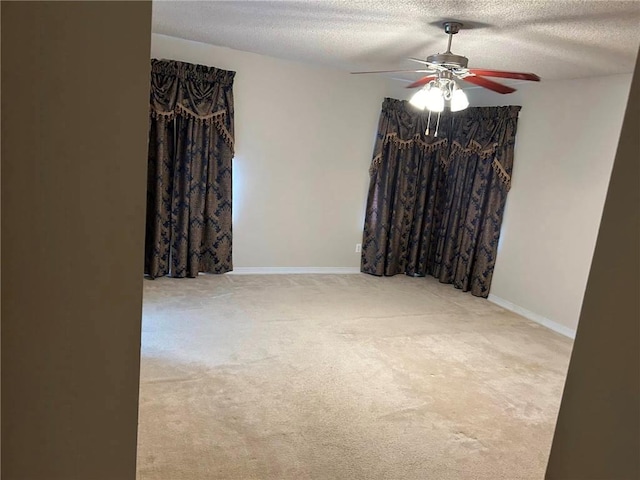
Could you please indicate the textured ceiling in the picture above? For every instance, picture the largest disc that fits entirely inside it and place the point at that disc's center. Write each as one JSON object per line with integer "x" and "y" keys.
{"x": 554, "y": 39}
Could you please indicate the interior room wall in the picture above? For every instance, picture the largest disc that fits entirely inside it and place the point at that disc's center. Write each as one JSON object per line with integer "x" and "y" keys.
{"x": 74, "y": 129}
{"x": 598, "y": 429}
{"x": 304, "y": 136}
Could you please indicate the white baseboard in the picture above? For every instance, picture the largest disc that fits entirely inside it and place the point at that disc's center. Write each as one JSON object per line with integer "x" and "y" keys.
{"x": 293, "y": 270}
{"x": 528, "y": 314}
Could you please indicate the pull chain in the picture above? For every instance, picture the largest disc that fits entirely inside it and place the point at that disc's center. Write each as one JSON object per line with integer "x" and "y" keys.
{"x": 437, "y": 125}
{"x": 428, "y": 122}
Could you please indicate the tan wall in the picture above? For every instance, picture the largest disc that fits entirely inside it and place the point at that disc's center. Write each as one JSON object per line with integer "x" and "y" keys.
{"x": 75, "y": 86}
{"x": 304, "y": 140}
{"x": 598, "y": 429}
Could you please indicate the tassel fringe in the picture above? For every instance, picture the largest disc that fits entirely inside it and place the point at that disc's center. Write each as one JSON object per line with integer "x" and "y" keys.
{"x": 502, "y": 173}
{"x": 415, "y": 141}
{"x": 217, "y": 119}
{"x": 474, "y": 148}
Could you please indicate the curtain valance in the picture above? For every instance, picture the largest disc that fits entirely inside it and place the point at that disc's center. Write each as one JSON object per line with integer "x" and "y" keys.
{"x": 202, "y": 92}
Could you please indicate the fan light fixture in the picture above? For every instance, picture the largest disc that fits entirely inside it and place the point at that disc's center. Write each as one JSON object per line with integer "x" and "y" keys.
{"x": 438, "y": 93}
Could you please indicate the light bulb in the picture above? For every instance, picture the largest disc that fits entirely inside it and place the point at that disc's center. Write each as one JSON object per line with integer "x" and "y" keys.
{"x": 419, "y": 99}
{"x": 434, "y": 99}
{"x": 459, "y": 100}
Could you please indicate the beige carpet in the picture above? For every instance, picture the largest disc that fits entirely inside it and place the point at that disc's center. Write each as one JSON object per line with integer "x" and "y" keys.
{"x": 342, "y": 377}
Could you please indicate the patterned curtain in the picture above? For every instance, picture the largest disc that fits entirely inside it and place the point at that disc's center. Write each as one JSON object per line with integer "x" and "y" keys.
{"x": 189, "y": 171}
{"x": 435, "y": 204}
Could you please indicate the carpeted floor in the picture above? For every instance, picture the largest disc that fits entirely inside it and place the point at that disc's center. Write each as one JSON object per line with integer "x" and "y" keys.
{"x": 342, "y": 377}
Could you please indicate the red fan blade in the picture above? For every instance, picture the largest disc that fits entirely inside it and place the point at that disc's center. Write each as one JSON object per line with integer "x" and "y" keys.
{"x": 422, "y": 81}
{"x": 393, "y": 71}
{"x": 497, "y": 73}
{"x": 490, "y": 84}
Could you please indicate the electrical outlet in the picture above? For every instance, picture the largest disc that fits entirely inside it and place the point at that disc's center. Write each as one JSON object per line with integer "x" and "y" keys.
{"x": 358, "y": 247}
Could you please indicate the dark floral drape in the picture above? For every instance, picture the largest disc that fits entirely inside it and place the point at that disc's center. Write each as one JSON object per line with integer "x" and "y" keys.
{"x": 188, "y": 226}
{"x": 435, "y": 204}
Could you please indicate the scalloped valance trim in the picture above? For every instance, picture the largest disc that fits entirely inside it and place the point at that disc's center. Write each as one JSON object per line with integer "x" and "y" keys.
{"x": 403, "y": 144}
{"x": 157, "y": 114}
{"x": 375, "y": 163}
{"x": 225, "y": 133}
{"x": 474, "y": 148}
{"x": 203, "y": 118}
{"x": 502, "y": 173}
{"x": 416, "y": 140}
{"x": 215, "y": 118}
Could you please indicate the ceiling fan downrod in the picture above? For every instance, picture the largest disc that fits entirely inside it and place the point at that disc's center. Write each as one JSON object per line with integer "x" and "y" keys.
{"x": 451, "y": 28}
{"x": 448, "y": 59}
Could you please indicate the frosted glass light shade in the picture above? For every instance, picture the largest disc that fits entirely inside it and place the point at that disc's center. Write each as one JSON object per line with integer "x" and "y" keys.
{"x": 459, "y": 101}
{"x": 419, "y": 99}
{"x": 434, "y": 100}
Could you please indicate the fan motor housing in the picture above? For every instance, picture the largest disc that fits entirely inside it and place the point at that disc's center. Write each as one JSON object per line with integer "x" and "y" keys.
{"x": 449, "y": 60}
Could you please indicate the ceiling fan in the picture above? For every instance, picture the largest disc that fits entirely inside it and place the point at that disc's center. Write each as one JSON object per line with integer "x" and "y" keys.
{"x": 444, "y": 69}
